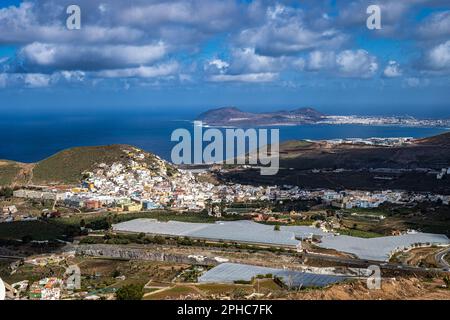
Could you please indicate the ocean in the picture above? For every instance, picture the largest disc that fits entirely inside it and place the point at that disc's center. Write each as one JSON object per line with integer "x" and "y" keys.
{"x": 32, "y": 135}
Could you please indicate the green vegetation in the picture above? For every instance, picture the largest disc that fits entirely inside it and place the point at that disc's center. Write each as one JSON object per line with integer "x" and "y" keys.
{"x": 9, "y": 171}
{"x": 32, "y": 230}
{"x": 447, "y": 281}
{"x": 6, "y": 192}
{"x": 130, "y": 292}
{"x": 67, "y": 166}
{"x": 359, "y": 233}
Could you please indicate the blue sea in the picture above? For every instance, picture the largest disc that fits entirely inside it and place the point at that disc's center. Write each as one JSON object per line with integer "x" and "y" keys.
{"x": 31, "y": 135}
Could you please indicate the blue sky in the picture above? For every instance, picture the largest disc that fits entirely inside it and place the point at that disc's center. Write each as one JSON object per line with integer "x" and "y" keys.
{"x": 257, "y": 55}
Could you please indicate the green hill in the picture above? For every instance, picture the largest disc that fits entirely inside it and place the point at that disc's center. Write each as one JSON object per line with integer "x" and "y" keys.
{"x": 12, "y": 172}
{"x": 68, "y": 166}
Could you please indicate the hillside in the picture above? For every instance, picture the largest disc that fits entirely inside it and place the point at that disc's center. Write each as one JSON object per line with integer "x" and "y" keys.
{"x": 433, "y": 152}
{"x": 68, "y": 166}
{"x": 12, "y": 173}
{"x": 442, "y": 140}
{"x": 232, "y": 116}
{"x": 299, "y": 158}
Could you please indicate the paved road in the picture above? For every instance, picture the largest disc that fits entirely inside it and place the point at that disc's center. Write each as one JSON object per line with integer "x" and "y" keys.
{"x": 440, "y": 258}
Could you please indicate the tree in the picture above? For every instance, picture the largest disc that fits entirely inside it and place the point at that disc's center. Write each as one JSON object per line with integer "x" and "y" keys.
{"x": 116, "y": 273}
{"x": 6, "y": 192}
{"x": 447, "y": 281}
{"x": 130, "y": 292}
{"x": 276, "y": 228}
{"x": 238, "y": 293}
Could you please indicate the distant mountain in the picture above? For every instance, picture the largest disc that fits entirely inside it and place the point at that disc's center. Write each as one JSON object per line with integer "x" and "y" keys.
{"x": 232, "y": 116}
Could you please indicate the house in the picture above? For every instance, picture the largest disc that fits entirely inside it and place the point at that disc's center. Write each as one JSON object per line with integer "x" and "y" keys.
{"x": 133, "y": 207}
{"x": 149, "y": 205}
{"x": 9, "y": 210}
{"x": 93, "y": 204}
{"x": 46, "y": 289}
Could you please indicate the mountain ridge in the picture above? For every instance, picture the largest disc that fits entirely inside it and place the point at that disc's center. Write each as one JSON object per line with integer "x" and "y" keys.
{"x": 233, "y": 116}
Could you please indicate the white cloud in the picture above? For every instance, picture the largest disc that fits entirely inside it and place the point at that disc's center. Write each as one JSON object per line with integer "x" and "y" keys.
{"x": 36, "y": 80}
{"x": 247, "y": 61}
{"x": 319, "y": 60}
{"x": 347, "y": 63}
{"x": 141, "y": 72}
{"x": 359, "y": 64}
{"x": 73, "y": 57}
{"x": 392, "y": 70}
{"x": 217, "y": 65}
{"x": 286, "y": 33}
{"x": 250, "y": 77}
{"x": 73, "y": 76}
{"x": 438, "y": 58}
{"x": 435, "y": 26}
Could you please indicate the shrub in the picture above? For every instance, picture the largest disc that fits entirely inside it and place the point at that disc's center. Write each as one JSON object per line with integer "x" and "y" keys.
{"x": 130, "y": 292}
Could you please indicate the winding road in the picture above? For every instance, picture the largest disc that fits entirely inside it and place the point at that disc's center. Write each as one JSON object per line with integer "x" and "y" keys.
{"x": 440, "y": 258}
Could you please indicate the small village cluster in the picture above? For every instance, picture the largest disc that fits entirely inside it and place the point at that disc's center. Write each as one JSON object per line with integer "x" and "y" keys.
{"x": 185, "y": 192}
{"x": 146, "y": 182}
{"x": 385, "y": 142}
{"x": 385, "y": 121}
{"x": 48, "y": 288}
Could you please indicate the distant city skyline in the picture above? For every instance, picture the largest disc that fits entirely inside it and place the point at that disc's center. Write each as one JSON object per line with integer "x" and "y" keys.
{"x": 255, "y": 55}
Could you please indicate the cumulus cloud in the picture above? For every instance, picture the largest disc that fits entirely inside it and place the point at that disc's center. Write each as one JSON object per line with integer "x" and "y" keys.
{"x": 437, "y": 25}
{"x": 347, "y": 63}
{"x": 215, "y": 16}
{"x": 247, "y": 60}
{"x": 286, "y": 33}
{"x": 320, "y": 60}
{"x": 359, "y": 64}
{"x": 437, "y": 59}
{"x": 217, "y": 66}
{"x": 141, "y": 72}
{"x": 251, "y": 41}
{"x": 73, "y": 76}
{"x": 247, "y": 66}
{"x": 73, "y": 57}
{"x": 36, "y": 80}
{"x": 392, "y": 70}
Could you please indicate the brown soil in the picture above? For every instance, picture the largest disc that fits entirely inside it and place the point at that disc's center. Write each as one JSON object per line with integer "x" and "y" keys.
{"x": 391, "y": 289}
